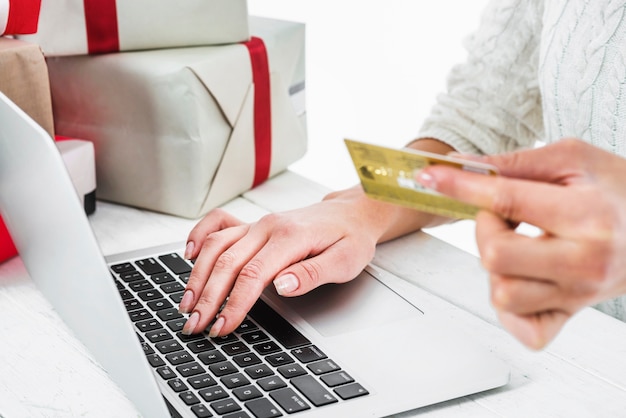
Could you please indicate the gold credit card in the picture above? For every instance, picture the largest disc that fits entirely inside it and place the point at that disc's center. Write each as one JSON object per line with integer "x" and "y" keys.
{"x": 388, "y": 174}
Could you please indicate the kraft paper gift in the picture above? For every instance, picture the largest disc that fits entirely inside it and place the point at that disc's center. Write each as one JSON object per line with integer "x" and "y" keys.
{"x": 68, "y": 27}
{"x": 24, "y": 80}
{"x": 182, "y": 131}
{"x": 19, "y": 16}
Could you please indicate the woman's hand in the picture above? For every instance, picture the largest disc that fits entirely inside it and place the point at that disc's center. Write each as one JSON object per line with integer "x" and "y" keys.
{"x": 298, "y": 250}
{"x": 576, "y": 194}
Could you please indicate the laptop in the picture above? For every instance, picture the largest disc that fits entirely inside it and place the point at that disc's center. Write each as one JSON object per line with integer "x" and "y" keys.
{"x": 357, "y": 349}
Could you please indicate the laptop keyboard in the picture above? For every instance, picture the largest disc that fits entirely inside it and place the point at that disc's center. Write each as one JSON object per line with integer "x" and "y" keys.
{"x": 266, "y": 368}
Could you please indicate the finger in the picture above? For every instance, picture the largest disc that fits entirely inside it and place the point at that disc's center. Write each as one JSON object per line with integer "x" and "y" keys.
{"x": 202, "y": 296}
{"x": 525, "y": 296}
{"x": 551, "y": 163}
{"x": 537, "y": 330}
{"x": 340, "y": 263}
{"x": 215, "y": 220}
{"x": 504, "y": 251}
{"x": 540, "y": 204}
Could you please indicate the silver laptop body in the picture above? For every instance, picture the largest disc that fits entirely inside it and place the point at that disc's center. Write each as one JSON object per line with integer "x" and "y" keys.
{"x": 403, "y": 357}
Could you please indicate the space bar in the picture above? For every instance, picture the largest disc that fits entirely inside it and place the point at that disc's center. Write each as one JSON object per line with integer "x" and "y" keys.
{"x": 277, "y": 326}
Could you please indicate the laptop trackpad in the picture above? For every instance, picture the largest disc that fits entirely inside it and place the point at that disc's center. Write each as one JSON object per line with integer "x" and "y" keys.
{"x": 362, "y": 303}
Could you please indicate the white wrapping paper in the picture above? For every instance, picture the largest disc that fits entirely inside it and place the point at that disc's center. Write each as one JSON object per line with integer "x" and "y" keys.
{"x": 140, "y": 24}
{"x": 173, "y": 129}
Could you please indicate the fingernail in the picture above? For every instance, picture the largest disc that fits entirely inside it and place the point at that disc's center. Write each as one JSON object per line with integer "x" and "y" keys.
{"x": 286, "y": 284}
{"x": 217, "y": 327}
{"x": 189, "y": 250}
{"x": 426, "y": 180}
{"x": 185, "y": 303}
{"x": 191, "y": 324}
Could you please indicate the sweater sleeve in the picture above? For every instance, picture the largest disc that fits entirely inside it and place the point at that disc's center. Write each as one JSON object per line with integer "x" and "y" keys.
{"x": 493, "y": 103}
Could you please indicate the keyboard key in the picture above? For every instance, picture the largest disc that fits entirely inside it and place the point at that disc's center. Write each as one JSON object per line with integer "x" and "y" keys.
{"x": 190, "y": 369}
{"x": 176, "y": 324}
{"x": 245, "y": 326}
{"x": 158, "y": 335}
{"x": 258, "y": 371}
{"x": 201, "y": 411}
{"x": 279, "y": 359}
{"x": 200, "y": 346}
{"x": 132, "y": 304}
{"x": 291, "y": 370}
{"x": 246, "y": 393}
{"x": 238, "y": 414}
{"x": 189, "y": 398}
{"x": 162, "y": 278}
{"x": 235, "y": 348}
{"x": 337, "y": 379}
{"x": 172, "y": 287}
{"x": 131, "y": 276}
{"x": 277, "y": 326}
{"x": 225, "y": 339}
{"x": 289, "y": 400}
{"x": 254, "y": 337}
{"x": 308, "y": 354}
{"x": 211, "y": 357}
{"x": 122, "y": 268}
{"x": 169, "y": 314}
{"x": 177, "y": 385}
{"x": 150, "y": 266}
{"x": 126, "y": 295}
{"x": 201, "y": 381}
{"x": 263, "y": 408}
{"x": 213, "y": 393}
{"x": 187, "y": 338}
{"x": 175, "y": 263}
{"x": 271, "y": 383}
{"x": 323, "y": 366}
{"x": 139, "y": 315}
{"x": 166, "y": 373}
{"x": 351, "y": 391}
{"x": 155, "y": 360}
{"x": 148, "y": 325}
{"x": 245, "y": 360}
{"x": 267, "y": 347}
{"x": 177, "y": 297}
{"x": 179, "y": 357}
{"x": 313, "y": 390}
{"x": 223, "y": 368}
{"x": 157, "y": 305}
{"x": 150, "y": 295}
{"x": 234, "y": 381}
{"x": 225, "y": 406}
{"x": 169, "y": 346}
{"x": 140, "y": 285}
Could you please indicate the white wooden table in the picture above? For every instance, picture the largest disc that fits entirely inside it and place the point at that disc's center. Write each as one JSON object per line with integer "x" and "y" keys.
{"x": 46, "y": 372}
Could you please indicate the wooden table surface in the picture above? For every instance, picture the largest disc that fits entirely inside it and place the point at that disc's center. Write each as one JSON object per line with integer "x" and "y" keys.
{"x": 46, "y": 372}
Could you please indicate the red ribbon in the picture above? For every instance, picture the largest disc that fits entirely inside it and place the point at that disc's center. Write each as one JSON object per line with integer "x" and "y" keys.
{"x": 7, "y": 248}
{"x": 23, "y": 17}
{"x": 101, "y": 25}
{"x": 262, "y": 109}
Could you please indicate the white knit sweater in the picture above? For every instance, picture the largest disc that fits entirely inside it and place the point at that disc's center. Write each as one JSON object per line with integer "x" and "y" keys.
{"x": 539, "y": 70}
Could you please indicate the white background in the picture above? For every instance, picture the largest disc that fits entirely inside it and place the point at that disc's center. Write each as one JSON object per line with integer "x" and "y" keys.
{"x": 374, "y": 69}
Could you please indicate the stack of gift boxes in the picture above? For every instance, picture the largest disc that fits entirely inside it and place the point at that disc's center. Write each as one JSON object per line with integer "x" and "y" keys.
{"x": 186, "y": 104}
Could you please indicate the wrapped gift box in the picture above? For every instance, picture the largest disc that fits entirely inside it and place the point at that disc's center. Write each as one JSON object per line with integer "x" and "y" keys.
{"x": 79, "y": 159}
{"x": 184, "y": 130}
{"x": 19, "y": 16}
{"x": 68, "y": 27}
{"x": 24, "y": 80}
